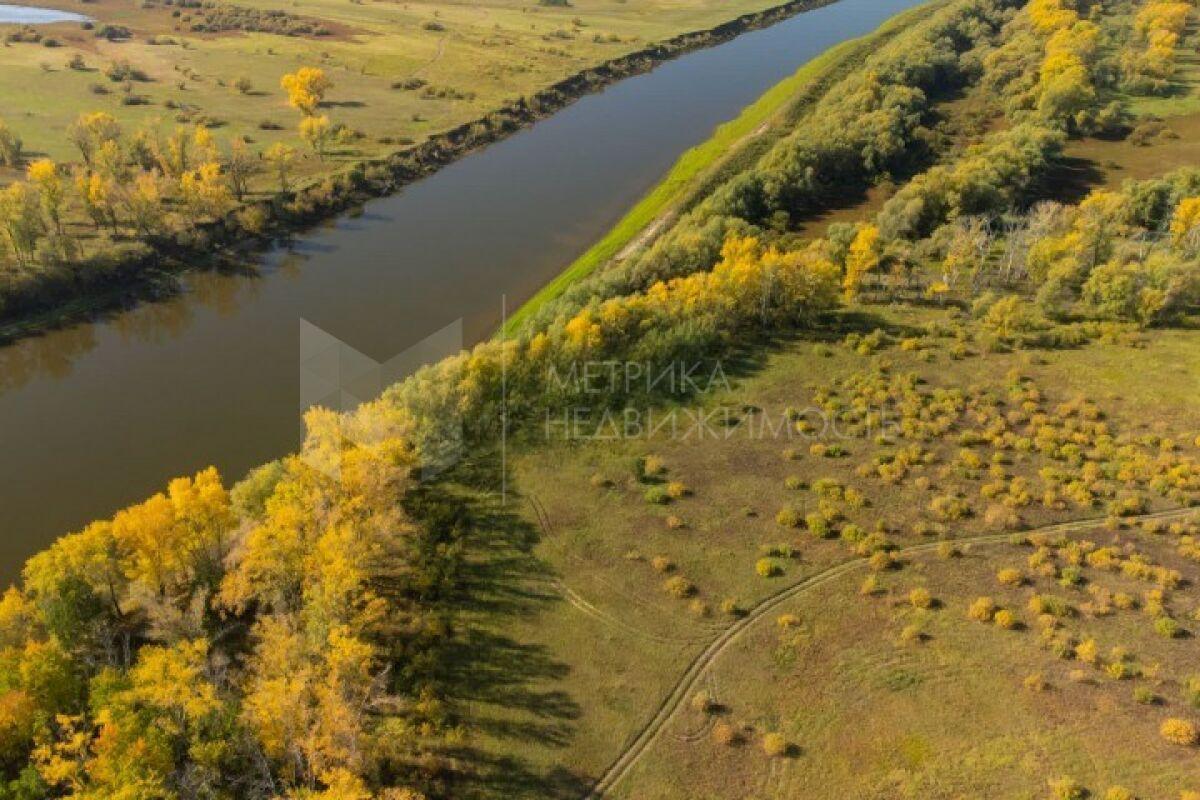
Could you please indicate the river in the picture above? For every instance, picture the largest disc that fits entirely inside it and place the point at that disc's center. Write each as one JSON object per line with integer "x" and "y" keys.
{"x": 100, "y": 415}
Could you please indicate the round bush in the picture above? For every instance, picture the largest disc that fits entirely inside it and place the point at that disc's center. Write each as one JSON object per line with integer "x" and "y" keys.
{"x": 920, "y": 598}
{"x": 982, "y": 609}
{"x": 1180, "y": 731}
{"x": 680, "y": 587}
{"x": 1006, "y": 619}
{"x": 788, "y": 517}
{"x": 768, "y": 568}
{"x": 774, "y": 745}
{"x": 657, "y": 495}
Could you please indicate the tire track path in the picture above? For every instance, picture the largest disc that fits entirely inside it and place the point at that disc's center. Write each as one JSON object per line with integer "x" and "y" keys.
{"x": 652, "y": 730}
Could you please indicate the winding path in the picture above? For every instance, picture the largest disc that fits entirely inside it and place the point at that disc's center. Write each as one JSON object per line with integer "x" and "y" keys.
{"x": 683, "y": 688}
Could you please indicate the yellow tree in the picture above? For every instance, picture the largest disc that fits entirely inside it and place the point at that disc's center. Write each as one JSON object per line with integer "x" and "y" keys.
{"x": 43, "y": 173}
{"x": 281, "y": 157}
{"x": 240, "y": 166}
{"x": 306, "y": 88}
{"x": 863, "y": 256}
{"x": 1186, "y": 221}
{"x": 317, "y": 132}
{"x": 171, "y": 539}
{"x": 10, "y": 146}
{"x": 20, "y": 221}
{"x": 97, "y": 193}
{"x": 144, "y": 201}
{"x": 91, "y": 130}
{"x": 204, "y": 191}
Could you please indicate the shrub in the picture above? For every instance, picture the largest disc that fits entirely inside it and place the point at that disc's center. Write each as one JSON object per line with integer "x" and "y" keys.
{"x": 1118, "y": 793}
{"x": 730, "y": 606}
{"x": 882, "y": 560}
{"x": 676, "y": 490}
{"x": 853, "y": 534}
{"x": 1006, "y": 620}
{"x": 793, "y": 482}
{"x": 788, "y": 517}
{"x": 818, "y": 525}
{"x": 1191, "y": 690}
{"x": 662, "y": 564}
{"x": 870, "y": 586}
{"x": 1049, "y": 604}
{"x": 1087, "y": 651}
{"x": 948, "y": 508}
{"x": 675, "y": 523}
{"x": 1180, "y": 731}
{"x": 702, "y": 701}
{"x": 657, "y": 495}
{"x": 1001, "y": 516}
{"x": 786, "y": 621}
{"x": 920, "y": 598}
{"x": 768, "y": 568}
{"x": 1036, "y": 683}
{"x": 1124, "y": 601}
{"x": 1167, "y": 628}
{"x": 1067, "y": 789}
{"x": 774, "y": 745}
{"x": 651, "y": 467}
{"x": 680, "y": 587}
{"x": 948, "y": 550}
{"x": 725, "y": 734}
{"x": 982, "y": 609}
{"x": 1118, "y": 670}
{"x": 1145, "y": 695}
{"x": 1010, "y": 577}
{"x": 699, "y": 608}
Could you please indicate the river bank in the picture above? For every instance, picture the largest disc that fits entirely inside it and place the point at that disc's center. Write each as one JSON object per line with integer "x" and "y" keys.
{"x": 219, "y": 372}
{"x": 145, "y": 270}
{"x": 705, "y": 165}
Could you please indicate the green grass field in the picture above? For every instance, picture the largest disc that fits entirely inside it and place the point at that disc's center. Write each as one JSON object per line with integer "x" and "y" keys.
{"x": 483, "y": 53}
{"x": 871, "y": 693}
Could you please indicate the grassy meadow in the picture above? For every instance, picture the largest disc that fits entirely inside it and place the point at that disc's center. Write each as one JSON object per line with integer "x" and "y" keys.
{"x": 464, "y": 59}
{"x": 875, "y": 697}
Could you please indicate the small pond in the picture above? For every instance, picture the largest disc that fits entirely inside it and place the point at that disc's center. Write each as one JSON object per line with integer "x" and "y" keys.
{"x": 31, "y": 15}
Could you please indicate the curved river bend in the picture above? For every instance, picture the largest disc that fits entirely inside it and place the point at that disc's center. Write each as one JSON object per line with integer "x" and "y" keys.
{"x": 98, "y": 416}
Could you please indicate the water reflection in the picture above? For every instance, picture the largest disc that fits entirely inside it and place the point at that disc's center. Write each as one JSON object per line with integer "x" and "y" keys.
{"x": 52, "y": 355}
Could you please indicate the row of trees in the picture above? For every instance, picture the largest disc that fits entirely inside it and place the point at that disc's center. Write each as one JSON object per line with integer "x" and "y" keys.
{"x": 1050, "y": 67}
{"x": 143, "y": 184}
{"x": 208, "y": 643}
{"x": 869, "y": 125}
{"x": 1148, "y": 63}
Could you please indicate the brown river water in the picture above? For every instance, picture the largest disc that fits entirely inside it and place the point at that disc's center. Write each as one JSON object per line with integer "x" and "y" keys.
{"x": 100, "y": 415}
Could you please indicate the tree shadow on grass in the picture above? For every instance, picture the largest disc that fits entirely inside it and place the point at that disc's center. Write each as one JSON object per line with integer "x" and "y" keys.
{"x": 506, "y": 693}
